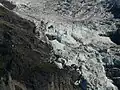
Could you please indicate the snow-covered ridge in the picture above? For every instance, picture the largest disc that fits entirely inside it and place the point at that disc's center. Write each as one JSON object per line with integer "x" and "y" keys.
{"x": 74, "y": 42}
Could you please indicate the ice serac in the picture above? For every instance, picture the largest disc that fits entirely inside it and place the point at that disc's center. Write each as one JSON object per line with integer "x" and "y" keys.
{"x": 76, "y": 29}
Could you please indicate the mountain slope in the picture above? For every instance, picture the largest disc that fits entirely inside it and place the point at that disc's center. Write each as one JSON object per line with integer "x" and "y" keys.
{"x": 74, "y": 45}
{"x": 25, "y": 60}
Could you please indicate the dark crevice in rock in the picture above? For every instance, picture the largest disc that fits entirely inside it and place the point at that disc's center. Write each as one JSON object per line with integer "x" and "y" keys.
{"x": 103, "y": 35}
{"x": 114, "y": 36}
{"x": 8, "y": 4}
{"x": 51, "y": 37}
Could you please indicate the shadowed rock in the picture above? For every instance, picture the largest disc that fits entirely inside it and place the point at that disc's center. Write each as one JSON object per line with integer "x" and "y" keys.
{"x": 27, "y": 59}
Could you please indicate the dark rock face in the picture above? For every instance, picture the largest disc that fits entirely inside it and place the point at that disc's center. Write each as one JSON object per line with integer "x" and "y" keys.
{"x": 8, "y": 4}
{"x": 27, "y": 59}
{"x": 113, "y": 71}
{"x": 114, "y": 74}
{"x": 114, "y": 7}
{"x": 115, "y": 37}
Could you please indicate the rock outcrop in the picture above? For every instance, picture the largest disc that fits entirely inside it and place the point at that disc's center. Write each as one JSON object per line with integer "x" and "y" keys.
{"x": 25, "y": 60}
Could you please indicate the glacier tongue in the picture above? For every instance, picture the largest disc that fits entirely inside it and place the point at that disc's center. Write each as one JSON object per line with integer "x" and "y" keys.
{"x": 74, "y": 43}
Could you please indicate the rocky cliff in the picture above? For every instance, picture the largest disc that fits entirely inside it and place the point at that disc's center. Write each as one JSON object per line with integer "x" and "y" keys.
{"x": 25, "y": 60}
{"x": 59, "y": 45}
